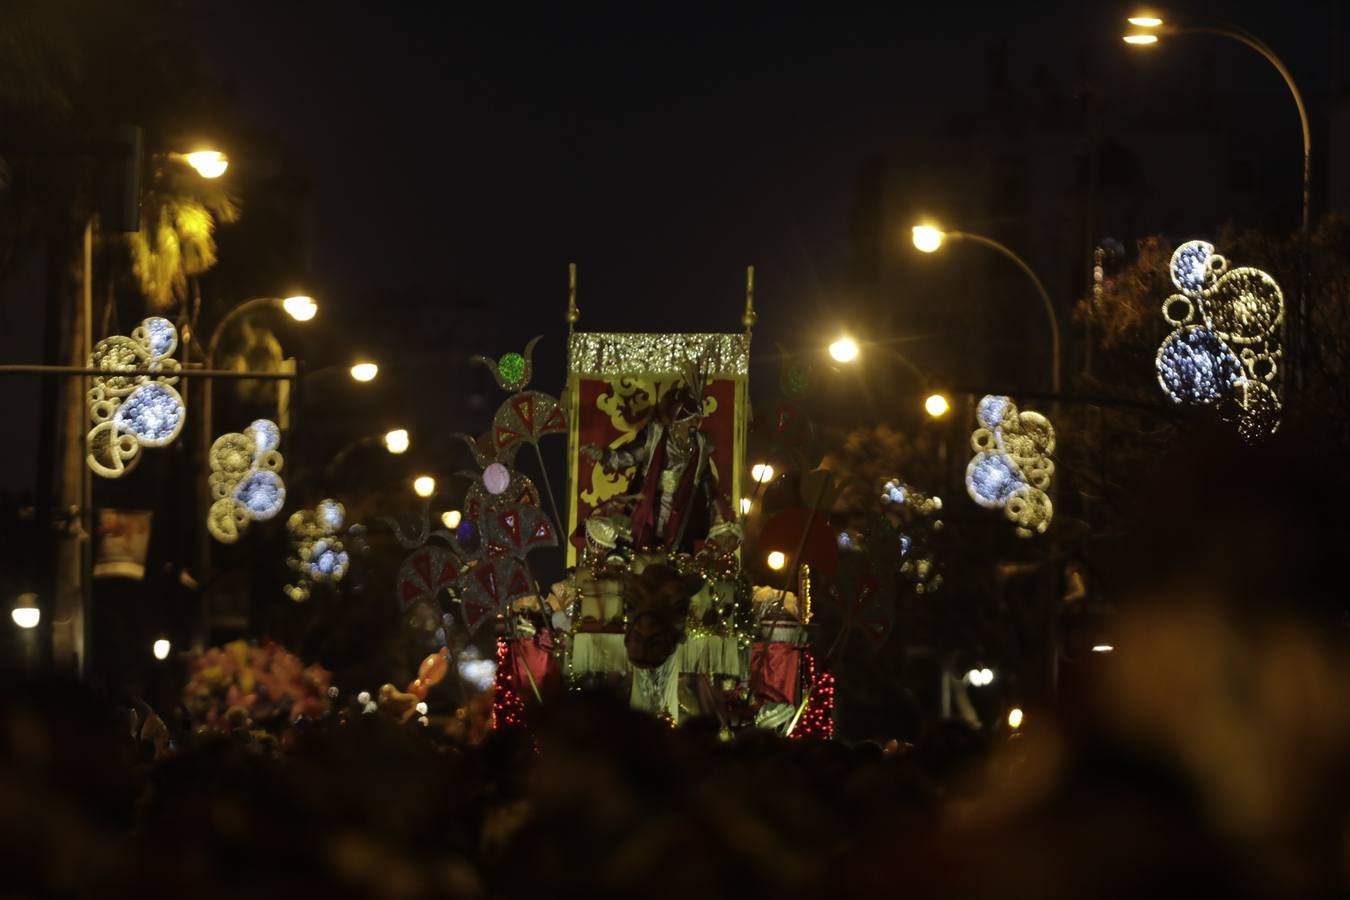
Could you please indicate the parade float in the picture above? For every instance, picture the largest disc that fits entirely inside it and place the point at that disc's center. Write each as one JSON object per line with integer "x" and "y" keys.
{"x": 655, "y": 604}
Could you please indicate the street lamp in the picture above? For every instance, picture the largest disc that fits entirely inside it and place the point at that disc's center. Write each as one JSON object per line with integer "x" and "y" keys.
{"x": 25, "y": 612}
{"x": 1015, "y": 718}
{"x": 397, "y": 441}
{"x": 161, "y": 648}
{"x": 451, "y": 518}
{"x": 208, "y": 163}
{"x": 424, "y": 486}
{"x": 1154, "y": 28}
{"x": 761, "y": 472}
{"x": 365, "y": 371}
{"x": 936, "y": 405}
{"x": 301, "y": 308}
{"x": 844, "y": 350}
{"x": 929, "y": 238}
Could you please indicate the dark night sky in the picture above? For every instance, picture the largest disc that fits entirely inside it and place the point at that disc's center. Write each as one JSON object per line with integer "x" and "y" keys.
{"x": 464, "y": 156}
{"x": 468, "y": 156}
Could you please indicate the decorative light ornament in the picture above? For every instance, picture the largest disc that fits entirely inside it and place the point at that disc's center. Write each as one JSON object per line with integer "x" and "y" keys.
{"x": 496, "y": 478}
{"x": 776, "y": 560}
{"x": 746, "y": 503}
{"x": 1012, "y": 469}
{"x": 317, "y": 553}
{"x": 1226, "y": 349}
{"x": 133, "y": 411}
{"x": 245, "y": 482}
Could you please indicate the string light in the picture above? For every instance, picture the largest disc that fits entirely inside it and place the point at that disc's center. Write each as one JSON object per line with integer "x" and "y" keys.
{"x": 817, "y": 719}
{"x": 508, "y": 709}
{"x": 806, "y": 593}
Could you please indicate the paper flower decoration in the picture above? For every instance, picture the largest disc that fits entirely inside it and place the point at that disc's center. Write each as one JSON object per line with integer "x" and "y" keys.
{"x": 317, "y": 553}
{"x": 1225, "y": 351}
{"x": 1012, "y": 469}
{"x": 244, "y": 479}
{"x": 129, "y": 412}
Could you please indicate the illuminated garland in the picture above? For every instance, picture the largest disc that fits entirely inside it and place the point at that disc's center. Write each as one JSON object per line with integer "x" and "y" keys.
{"x": 244, "y": 479}
{"x": 129, "y": 412}
{"x": 1226, "y": 348}
{"x": 508, "y": 708}
{"x": 817, "y": 719}
{"x": 806, "y": 593}
{"x": 1012, "y": 469}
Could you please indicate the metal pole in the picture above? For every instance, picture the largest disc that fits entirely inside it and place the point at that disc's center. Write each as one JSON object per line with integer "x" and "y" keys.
{"x": 84, "y": 644}
{"x": 1040, "y": 289}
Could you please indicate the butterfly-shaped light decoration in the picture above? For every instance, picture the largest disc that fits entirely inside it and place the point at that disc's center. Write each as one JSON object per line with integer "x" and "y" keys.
{"x": 1012, "y": 468}
{"x": 526, "y": 416}
{"x": 129, "y": 412}
{"x": 245, "y": 480}
{"x": 318, "y": 554}
{"x": 1226, "y": 350}
{"x": 499, "y": 573}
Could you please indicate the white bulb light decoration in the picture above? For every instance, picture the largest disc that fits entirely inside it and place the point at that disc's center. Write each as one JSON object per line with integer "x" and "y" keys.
{"x": 1012, "y": 469}
{"x": 1226, "y": 349}
{"x": 245, "y": 482}
{"x": 317, "y": 554}
{"x": 129, "y": 412}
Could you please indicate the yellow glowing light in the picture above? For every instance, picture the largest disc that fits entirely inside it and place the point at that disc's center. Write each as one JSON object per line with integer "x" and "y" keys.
{"x": 761, "y": 472}
{"x": 365, "y": 371}
{"x": 397, "y": 441}
{"x": 451, "y": 518}
{"x": 844, "y": 350}
{"x": 777, "y": 560}
{"x": 745, "y": 506}
{"x": 208, "y": 163}
{"x": 1015, "y": 718}
{"x": 936, "y": 405}
{"x": 424, "y": 485}
{"x": 1145, "y": 21}
{"x": 161, "y": 649}
{"x": 1138, "y": 39}
{"x": 928, "y": 238}
{"x": 300, "y": 308}
{"x": 26, "y": 616}
{"x": 1102, "y": 648}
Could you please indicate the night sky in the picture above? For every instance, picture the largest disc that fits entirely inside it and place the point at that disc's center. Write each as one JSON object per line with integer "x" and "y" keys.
{"x": 462, "y": 157}
{"x": 469, "y": 155}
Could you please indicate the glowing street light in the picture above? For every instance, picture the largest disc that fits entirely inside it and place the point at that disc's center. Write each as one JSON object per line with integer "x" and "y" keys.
{"x": 928, "y": 238}
{"x": 1102, "y": 648}
{"x": 161, "y": 648}
{"x": 980, "y": 677}
{"x": 365, "y": 371}
{"x": 844, "y": 350}
{"x": 208, "y": 163}
{"x": 26, "y": 613}
{"x": 451, "y": 518}
{"x": 1140, "y": 39}
{"x": 1015, "y": 718}
{"x": 761, "y": 472}
{"x": 1144, "y": 20}
{"x": 397, "y": 441}
{"x": 300, "y": 308}
{"x": 777, "y": 559}
{"x": 936, "y": 405}
{"x": 424, "y": 486}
